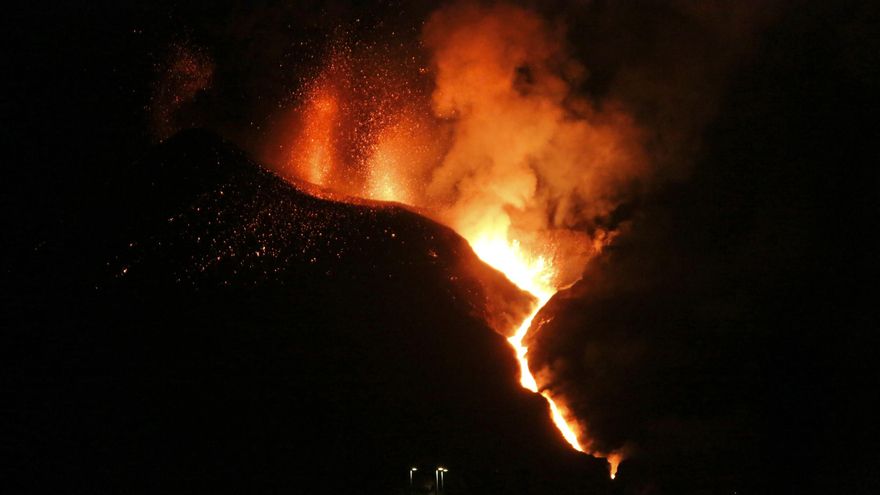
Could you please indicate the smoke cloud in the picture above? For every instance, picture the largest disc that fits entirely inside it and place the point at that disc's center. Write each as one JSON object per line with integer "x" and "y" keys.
{"x": 529, "y": 158}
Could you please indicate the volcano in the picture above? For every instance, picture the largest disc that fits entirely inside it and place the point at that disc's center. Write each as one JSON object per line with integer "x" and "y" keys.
{"x": 241, "y": 335}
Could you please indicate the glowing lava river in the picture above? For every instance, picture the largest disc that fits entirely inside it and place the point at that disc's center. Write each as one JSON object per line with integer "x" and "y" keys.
{"x": 532, "y": 275}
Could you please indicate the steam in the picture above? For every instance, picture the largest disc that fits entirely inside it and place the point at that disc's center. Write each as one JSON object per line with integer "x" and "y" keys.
{"x": 529, "y": 159}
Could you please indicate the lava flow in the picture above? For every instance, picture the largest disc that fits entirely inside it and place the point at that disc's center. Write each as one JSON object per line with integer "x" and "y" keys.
{"x": 533, "y": 276}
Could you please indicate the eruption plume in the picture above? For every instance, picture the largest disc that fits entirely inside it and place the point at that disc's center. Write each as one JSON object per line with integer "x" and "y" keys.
{"x": 502, "y": 149}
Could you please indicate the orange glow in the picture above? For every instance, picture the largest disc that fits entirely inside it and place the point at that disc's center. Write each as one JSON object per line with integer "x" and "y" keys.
{"x": 383, "y": 182}
{"x": 313, "y": 158}
{"x": 391, "y": 164}
{"x": 614, "y": 461}
{"x": 533, "y": 274}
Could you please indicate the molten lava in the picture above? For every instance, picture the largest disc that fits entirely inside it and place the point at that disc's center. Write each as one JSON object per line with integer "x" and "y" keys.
{"x": 314, "y": 151}
{"x": 534, "y": 275}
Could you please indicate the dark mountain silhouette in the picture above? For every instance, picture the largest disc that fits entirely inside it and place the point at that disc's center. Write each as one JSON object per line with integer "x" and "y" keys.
{"x": 241, "y": 336}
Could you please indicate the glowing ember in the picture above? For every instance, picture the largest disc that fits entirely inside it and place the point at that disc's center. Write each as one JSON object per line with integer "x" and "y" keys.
{"x": 381, "y": 184}
{"x": 187, "y": 71}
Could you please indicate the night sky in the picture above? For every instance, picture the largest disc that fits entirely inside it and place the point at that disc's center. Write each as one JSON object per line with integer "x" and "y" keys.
{"x": 178, "y": 319}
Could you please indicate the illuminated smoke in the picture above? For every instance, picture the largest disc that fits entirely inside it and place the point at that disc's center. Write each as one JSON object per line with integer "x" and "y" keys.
{"x": 530, "y": 160}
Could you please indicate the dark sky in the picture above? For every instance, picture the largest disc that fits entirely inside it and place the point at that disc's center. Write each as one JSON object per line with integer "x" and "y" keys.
{"x": 725, "y": 339}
